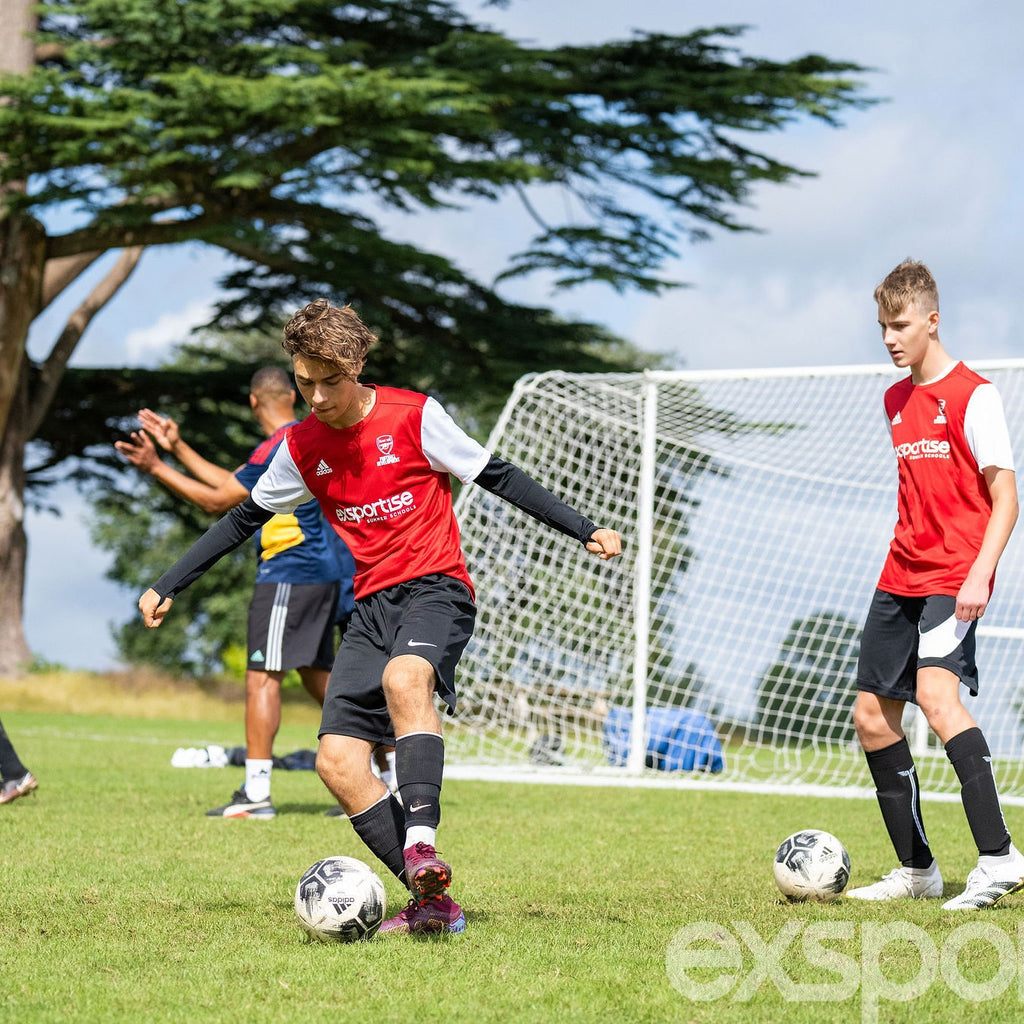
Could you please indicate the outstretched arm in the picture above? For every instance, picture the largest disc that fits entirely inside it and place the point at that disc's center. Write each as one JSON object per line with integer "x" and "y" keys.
{"x": 166, "y": 433}
{"x": 210, "y": 488}
{"x": 225, "y": 535}
{"x": 450, "y": 449}
{"x": 517, "y": 488}
{"x": 140, "y": 452}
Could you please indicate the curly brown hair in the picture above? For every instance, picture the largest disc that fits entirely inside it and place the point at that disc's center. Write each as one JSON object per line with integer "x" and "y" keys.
{"x": 332, "y": 334}
{"x": 910, "y": 282}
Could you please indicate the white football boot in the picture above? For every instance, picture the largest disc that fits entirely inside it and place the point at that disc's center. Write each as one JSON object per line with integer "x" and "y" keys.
{"x": 990, "y": 881}
{"x": 903, "y": 883}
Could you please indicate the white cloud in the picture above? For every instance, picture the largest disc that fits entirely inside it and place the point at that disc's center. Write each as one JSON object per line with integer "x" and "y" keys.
{"x": 933, "y": 172}
{"x": 763, "y": 320}
{"x": 800, "y": 293}
{"x": 148, "y": 345}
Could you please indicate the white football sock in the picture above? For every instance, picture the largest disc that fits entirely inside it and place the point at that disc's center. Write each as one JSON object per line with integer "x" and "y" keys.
{"x": 420, "y": 834}
{"x": 257, "y": 778}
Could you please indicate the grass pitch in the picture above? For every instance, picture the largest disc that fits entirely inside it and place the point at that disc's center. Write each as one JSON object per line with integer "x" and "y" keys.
{"x": 121, "y": 901}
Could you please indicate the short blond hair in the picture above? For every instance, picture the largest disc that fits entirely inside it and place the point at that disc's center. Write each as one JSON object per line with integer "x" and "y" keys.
{"x": 332, "y": 334}
{"x": 909, "y": 283}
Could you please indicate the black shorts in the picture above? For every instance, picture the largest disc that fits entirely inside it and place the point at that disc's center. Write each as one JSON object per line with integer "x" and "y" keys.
{"x": 903, "y": 634}
{"x": 431, "y": 616}
{"x": 291, "y": 625}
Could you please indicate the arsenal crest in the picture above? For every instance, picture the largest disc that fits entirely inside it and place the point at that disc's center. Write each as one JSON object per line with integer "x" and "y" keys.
{"x": 385, "y": 444}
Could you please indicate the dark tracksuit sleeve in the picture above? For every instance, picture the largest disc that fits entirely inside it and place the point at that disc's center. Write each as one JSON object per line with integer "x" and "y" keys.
{"x": 231, "y": 530}
{"x": 517, "y": 488}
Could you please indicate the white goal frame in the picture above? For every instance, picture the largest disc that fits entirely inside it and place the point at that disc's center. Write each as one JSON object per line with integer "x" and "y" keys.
{"x": 703, "y": 472}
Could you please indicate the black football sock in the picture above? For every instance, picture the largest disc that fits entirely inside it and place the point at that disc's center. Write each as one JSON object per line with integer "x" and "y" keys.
{"x": 972, "y": 761}
{"x": 899, "y": 797}
{"x": 10, "y": 764}
{"x": 382, "y": 827}
{"x": 419, "y": 766}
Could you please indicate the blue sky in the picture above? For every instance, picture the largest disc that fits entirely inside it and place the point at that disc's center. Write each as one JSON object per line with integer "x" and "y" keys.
{"x": 934, "y": 173}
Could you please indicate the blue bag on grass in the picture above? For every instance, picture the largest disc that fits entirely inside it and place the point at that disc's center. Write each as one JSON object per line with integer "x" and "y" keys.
{"x": 677, "y": 740}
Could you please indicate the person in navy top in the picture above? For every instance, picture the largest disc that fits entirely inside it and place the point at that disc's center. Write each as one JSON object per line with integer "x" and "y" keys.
{"x": 303, "y": 574}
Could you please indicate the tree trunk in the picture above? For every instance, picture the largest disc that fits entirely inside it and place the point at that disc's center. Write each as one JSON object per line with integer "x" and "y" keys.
{"x": 22, "y": 254}
{"x": 17, "y": 47}
{"x": 17, "y": 56}
{"x": 14, "y": 650}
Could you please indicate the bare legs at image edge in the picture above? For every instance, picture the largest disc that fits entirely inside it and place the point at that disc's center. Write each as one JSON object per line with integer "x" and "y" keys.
{"x": 17, "y": 780}
{"x": 401, "y": 830}
{"x": 878, "y": 719}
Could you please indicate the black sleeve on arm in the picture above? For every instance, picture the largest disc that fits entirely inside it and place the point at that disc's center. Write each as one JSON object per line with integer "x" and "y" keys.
{"x": 514, "y": 486}
{"x": 225, "y": 535}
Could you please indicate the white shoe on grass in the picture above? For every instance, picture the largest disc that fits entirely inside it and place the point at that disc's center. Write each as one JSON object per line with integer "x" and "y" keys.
{"x": 13, "y": 788}
{"x": 903, "y": 883}
{"x": 990, "y": 881}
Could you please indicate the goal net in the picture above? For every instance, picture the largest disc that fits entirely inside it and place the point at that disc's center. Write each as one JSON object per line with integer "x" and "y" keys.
{"x": 756, "y": 508}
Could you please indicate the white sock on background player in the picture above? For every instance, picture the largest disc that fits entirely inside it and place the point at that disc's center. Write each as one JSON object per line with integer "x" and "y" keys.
{"x": 257, "y": 778}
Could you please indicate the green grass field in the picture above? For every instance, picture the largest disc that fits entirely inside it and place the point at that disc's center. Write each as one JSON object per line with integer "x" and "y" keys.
{"x": 120, "y": 901}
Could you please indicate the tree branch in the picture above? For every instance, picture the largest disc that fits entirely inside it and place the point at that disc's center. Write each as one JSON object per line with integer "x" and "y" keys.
{"x": 530, "y": 208}
{"x": 59, "y": 273}
{"x": 53, "y": 368}
{"x": 104, "y": 237}
{"x": 49, "y": 51}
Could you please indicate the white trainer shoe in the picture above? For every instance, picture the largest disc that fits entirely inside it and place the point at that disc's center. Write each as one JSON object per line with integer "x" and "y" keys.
{"x": 13, "y": 788}
{"x": 903, "y": 883}
{"x": 990, "y": 881}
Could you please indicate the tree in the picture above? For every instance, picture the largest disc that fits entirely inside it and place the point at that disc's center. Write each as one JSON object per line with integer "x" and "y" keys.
{"x": 808, "y": 693}
{"x": 271, "y": 128}
{"x": 146, "y": 527}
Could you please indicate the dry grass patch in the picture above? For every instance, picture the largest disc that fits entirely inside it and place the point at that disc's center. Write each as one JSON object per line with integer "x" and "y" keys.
{"x": 139, "y": 693}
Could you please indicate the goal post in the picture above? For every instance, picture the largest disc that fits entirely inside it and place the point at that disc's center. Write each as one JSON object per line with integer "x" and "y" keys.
{"x": 755, "y": 507}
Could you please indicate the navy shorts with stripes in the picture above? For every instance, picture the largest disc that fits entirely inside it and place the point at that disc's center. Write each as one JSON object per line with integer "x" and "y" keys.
{"x": 291, "y": 625}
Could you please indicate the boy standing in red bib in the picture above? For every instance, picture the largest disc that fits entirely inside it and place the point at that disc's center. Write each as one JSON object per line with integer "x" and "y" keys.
{"x": 957, "y": 506}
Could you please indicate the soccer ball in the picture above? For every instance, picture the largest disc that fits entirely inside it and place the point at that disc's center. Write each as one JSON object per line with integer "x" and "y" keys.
{"x": 340, "y": 899}
{"x": 811, "y": 865}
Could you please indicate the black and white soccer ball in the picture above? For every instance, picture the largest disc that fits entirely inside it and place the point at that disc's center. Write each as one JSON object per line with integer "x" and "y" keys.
{"x": 811, "y": 865}
{"x": 340, "y": 899}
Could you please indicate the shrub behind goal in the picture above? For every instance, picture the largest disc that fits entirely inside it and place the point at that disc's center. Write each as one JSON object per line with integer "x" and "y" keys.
{"x": 755, "y": 508}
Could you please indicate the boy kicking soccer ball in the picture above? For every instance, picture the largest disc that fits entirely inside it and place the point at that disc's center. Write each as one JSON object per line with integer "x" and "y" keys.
{"x": 379, "y": 461}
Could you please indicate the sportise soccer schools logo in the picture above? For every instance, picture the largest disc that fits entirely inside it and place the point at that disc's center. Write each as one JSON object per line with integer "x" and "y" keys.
{"x": 926, "y": 448}
{"x": 379, "y": 510}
